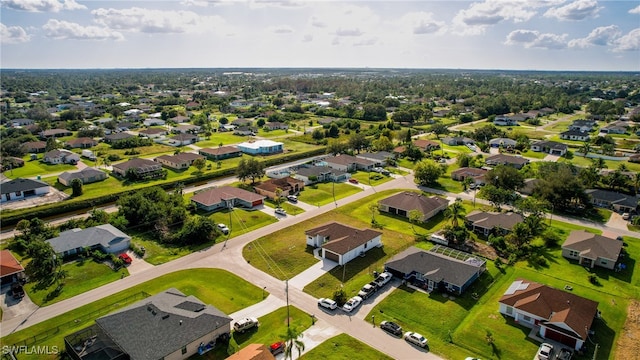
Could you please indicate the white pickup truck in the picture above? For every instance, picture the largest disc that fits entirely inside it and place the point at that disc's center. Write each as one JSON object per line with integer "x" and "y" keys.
{"x": 383, "y": 278}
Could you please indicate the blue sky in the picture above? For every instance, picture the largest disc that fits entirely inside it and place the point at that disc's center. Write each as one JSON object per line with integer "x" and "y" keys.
{"x": 490, "y": 34}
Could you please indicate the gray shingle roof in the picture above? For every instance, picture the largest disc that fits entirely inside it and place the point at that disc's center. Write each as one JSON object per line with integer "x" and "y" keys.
{"x": 162, "y": 324}
{"x": 21, "y": 185}
{"x": 489, "y": 220}
{"x": 104, "y": 235}
{"x": 408, "y": 201}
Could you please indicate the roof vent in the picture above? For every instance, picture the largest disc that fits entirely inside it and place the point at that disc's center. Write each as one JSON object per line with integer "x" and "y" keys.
{"x": 180, "y": 322}
{"x": 165, "y": 316}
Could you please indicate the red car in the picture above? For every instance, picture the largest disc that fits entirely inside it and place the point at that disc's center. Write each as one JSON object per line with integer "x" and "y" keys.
{"x": 125, "y": 258}
{"x": 277, "y": 348}
{"x": 353, "y": 181}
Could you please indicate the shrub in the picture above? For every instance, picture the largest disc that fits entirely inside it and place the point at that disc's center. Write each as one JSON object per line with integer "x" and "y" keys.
{"x": 340, "y": 296}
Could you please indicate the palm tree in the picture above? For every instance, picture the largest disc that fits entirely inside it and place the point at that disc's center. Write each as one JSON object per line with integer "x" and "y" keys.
{"x": 599, "y": 163}
{"x": 455, "y": 212}
{"x": 291, "y": 340}
{"x": 415, "y": 216}
{"x": 373, "y": 207}
{"x": 585, "y": 148}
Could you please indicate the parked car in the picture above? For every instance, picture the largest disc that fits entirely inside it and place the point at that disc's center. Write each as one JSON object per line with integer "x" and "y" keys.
{"x": 292, "y": 198}
{"x": 471, "y": 358}
{"x": 353, "y": 181}
{"x": 222, "y": 227}
{"x": 245, "y": 324}
{"x": 625, "y": 216}
{"x": 383, "y": 279}
{"x": 277, "y": 348}
{"x": 353, "y": 303}
{"x": 391, "y": 327}
{"x": 125, "y": 258}
{"x": 565, "y": 354}
{"x": 17, "y": 291}
{"x": 327, "y": 303}
{"x": 545, "y": 352}
{"x": 368, "y": 290}
{"x": 280, "y": 211}
{"x": 415, "y": 338}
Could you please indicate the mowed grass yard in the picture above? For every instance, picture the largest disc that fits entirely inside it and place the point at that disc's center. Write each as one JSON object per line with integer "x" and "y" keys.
{"x": 323, "y": 193}
{"x": 344, "y": 347}
{"x": 224, "y": 290}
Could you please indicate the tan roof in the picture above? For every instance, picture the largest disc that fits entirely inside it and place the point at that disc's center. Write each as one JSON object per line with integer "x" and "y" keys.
{"x": 413, "y": 201}
{"x": 506, "y": 159}
{"x": 342, "y": 238}
{"x": 152, "y": 131}
{"x": 490, "y": 220}
{"x": 8, "y": 264}
{"x": 468, "y": 171}
{"x": 82, "y": 140}
{"x": 423, "y": 144}
{"x": 138, "y": 163}
{"x": 285, "y": 183}
{"x": 219, "y": 194}
{"x": 593, "y": 246}
{"x": 552, "y": 304}
{"x": 253, "y": 352}
{"x": 221, "y": 150}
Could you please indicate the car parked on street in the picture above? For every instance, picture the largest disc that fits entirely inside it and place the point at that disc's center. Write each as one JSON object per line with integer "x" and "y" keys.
{"x": 415, "y": 339}
{"x": 545, "y": 352}
{"x": 327, "y": 303}
{"x": 353, "y": 303}
{"x": 245, "y": 324}
{"x": 391, "y": 327}
{"x": 223, "y": 228}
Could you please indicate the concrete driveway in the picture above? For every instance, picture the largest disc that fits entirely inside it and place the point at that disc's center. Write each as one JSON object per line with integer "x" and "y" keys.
{"x": 12, "y": 307}
{"x": 138, "y": 264}
{"x": 617, "y": 222}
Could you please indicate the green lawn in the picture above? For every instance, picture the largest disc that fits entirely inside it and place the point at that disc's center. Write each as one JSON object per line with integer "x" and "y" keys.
{"x": 157, "y": 253}
{"x": 219, "y": 288}
{"x": 344, "y": 347}
{"x": 371, "y": 178}
{"x": 323, "y": 193}
{"x": 82, "y": 276}
{"x": 242, "y": 221}
{"x": 286, "y": 205}
{"x": 534, "y": 154}
{"x": 34, "y": 168}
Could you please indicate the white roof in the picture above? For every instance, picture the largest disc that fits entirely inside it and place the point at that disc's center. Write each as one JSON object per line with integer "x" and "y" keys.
{"x": 260, "y": 144}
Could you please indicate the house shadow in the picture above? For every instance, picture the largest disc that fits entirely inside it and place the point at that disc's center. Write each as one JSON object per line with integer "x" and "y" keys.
{"x": 355, "y": 266}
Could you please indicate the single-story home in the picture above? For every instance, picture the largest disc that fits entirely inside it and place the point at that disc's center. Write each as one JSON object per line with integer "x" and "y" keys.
{"x": 502, "y": 142}
{"x": 21, "y": 122}
{"x": 342, "y": 243}
{"x": 504, "y": 121}
{"x": 105, "y": 237}
{"x": 143, "y": 167}
{"x": 183, "y": 139}
{"x": 529, "y": 186}
{"x": 635, "y": 158}
{"x": 87, "y": 175}
{"x": 153, "y": 133}
{"x": 315, "y": 174}
{"x": 380, "y": 158}
{"x": 287, "y": 185}
{"x": 403, "y": 203}
{"x": 582, "y": 125}
{"x": 10, "y": 162}
{"x": 34, "y": 146}
{"x": 19, "y": 189}
{"x": 186, "y": 128}
{"x": 476, "y": 174}
{"x": 485, "y": 222}
{"x": 151, "y": 121}
{"x": 549, "y": 147}
{"x": 276, "y": 125}
{"x": 253, "y": 352}
{"x": 225, "y": 197}
{"x": 561, "y": 316}
{"x": 220, "y": 153}
{"x": 426, "y": 145}
{"x": 10, "y": 268}
{"x": 55, "y": 133}
{"x": 245, "y": 131}
{"x": 440, "y": 268}
{"x": 344, "y": 162}
{"x": 179, "y": 161}
{"x": 458, "y": 140}
{"x": 261, "y": 147}
{"x": 613, "y": 200}
{"x": 82, "y": 143}
{"x": 592, "y": 250}
{"x": 168, "y": 325}
{"x": 111, "y": 138}
{"x": 575, "y": 135}
{"x": 242, "y": 122}
{"x": 60, "y": 156}
{"x": 502, "y": 159}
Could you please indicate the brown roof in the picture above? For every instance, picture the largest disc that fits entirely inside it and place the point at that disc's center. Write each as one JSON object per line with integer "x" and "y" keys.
{"x": 8, "y": 264}
{"x": 152, "y": 131}
{"x": 285, "y": 183}
{"x": 423, "y": 144}
{"x": 345, "y": 159}
{"x": 342, "y": 238}
{"x": 593, "y": 246}
{"x": 413, "y": 201}
{"x": 253, "y": 352}
{"x": 137, "y": 163}
{"x": 552, "y": 304}
{"x": 217, "y": 195}
{"x": 183, "y": 137}
{"x": 506, "y": 159}
{"x": 82, "y": 141}
{"x": 468, "y": 171}
{"x": 220, "y": 151}
{"x": 489, "y": 220}
{"x": 35, "y": 144}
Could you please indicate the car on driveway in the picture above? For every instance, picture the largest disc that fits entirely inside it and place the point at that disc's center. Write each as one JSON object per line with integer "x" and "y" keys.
{"x": 245, "y": 324}
{"x": 545, "y": 352}
{"x": 625, "y": 216}
{"x": 353, "y": 181}
{"x": 277, "y": 348}
{"x": 223, "y": 228}
{"x": 368, "y": 290}
{"x": 327, "y": 303}
{"x": 383, "y": 279}
{"x": 125, "y": 258}
{"x": 292, "y": 198}
{"x": 280, "y": 211}
{"x": 391, "y": 327}
{"x": 415, "y": 339}
{"x": 565, "y": 354}
{"x": 353, "y": 303}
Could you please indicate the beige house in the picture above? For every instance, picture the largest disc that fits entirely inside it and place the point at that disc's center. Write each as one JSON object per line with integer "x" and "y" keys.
{"x": 592, "y": 250}
{"x": 403, "y": 203}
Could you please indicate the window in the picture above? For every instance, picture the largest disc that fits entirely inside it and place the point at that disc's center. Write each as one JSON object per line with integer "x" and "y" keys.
{"x": 526, "y": 318}
{"x": 184, "y": 350}
{"x": 603, "y": 262}
{"x": 509, "y": 310}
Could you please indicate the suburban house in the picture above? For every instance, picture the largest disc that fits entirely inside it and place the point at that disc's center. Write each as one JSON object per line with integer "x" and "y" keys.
{"x": 186, "y": 128}
{"x": 592, "y": 250}
{"x": 549, "y": 147}
{"x": 502, "y": 142}
{"x": 485, "y": 222}
{"x": 143, "y": 168}
{"x": 55, "y": 133}
{"x": 11, "y": 162}
{"x": 22, "y": 188}
{"x": 287, "y": 185}
{"x": 87, "y": 175}
{"x": 221, "y": 153}
{"x": 59, "y": 156}
{"x": 111, "y": 138}
{"x": 575, "y": 135}
{"x": 404, "y": 202}
{"x": 458, "y": 140}
{"x": 342, "y": 243}
{"x": 253, "y": 352}
{"x": 245, "y": 131}
{"x": 82, "y": 143}
{"x": 225, "y": 197}
{"x": 582, "y": 125}
{"x": 554, "y": 314}
{"x": 10, "y": 268}
{"x": 441, "y": 268}
{"x": 476, "y": 174}
{"x": 153, "y": 133}
{"x": 261, "y": 147}
{"x": 34, "y": 146}
{"x": 276, "y": 125}
{"x": 21, "y": 122}
{"x": 347, "y": 163}
{"x": 242, "y": 122}
{"x": 316, "y": 174}
{"x": 104, "y": 237}
{"x": 151, "y": 121}
{"x": 183, "y": 139}
{"x": 168, "y": 325}
{"x": 380, "y": 158}
{"x": 615, "y": 128}
{"x": 502, "y": 120}
{"x": 635, "y": 158}
{"x": 502, "y": 159}
{"x": 426, "y": 145}
{"x": 179, "y": 161}
{"x": 613, "y": 200}
{"x": 529, "y": 186}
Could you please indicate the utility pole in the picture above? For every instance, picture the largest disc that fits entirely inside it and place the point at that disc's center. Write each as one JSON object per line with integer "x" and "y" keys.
{"x": 286, "y": 289}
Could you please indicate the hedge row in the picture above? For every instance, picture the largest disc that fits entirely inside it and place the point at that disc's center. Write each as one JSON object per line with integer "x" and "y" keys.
{"x": 81, "y": 205}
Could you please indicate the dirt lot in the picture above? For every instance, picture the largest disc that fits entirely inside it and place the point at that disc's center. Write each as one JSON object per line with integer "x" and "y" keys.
{"x": 628, "y": 346}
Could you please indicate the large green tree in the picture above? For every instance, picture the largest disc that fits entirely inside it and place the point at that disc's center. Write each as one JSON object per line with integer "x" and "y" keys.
{"x": 427, "y": 172}
{"x": 250, "y": 169}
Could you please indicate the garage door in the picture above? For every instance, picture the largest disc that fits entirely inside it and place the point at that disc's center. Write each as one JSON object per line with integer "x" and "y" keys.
{"x": 331, "y": 256}
{"x": 564, "y": 339}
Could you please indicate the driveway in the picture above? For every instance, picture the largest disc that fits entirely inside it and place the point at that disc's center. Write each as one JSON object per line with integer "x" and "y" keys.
{"x": 12, "y": 307}
{"x": 617, "y": 222}
{"x": 138, "y": 264}
{"x": 313, "y": 272}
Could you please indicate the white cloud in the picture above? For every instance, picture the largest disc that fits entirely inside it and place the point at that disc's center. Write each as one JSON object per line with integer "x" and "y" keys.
{"x": 366, "y": 42}
{"x": 629, "y": 42}
{"x": 635, "y": 10}
{"x": 13, "y": 34}
{"x": 281, "y": 29}
{"x": 349, "y": 32}
{"x": 535, "y": 39}
{"x": 307, "y": 38}
{"x": 478, "y": 16}
{"x": 420, "y": 23}
{"x": 67, "y": 30}
{"x": 259, "y": 4}
{"x": 200, "y": 3}
{"x": 315, "y": 22}
{"x": 42, "y": 5}
{"x": 600, "y": 36}
{"x": 155, "y": 21}
{"x": 577, "y": 10}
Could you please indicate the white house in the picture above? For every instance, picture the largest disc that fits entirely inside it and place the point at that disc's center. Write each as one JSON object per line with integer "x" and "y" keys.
{"x": 21, "y": 188}
{"x": 342, "y": 243}
{"x": 261, "y": 147}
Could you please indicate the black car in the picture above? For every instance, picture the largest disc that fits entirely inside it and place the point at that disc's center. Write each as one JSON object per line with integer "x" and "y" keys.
{"x": 391, "y": 328}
